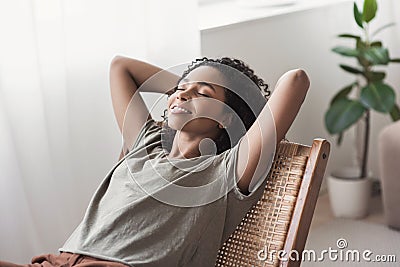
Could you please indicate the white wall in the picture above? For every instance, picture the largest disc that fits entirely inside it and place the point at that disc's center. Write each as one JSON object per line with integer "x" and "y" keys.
{"x": 304, "y": 39}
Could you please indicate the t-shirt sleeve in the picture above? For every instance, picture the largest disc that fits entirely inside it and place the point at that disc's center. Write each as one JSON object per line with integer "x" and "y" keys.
{"x": 148, "y": 135}
{"x": 238, "y": 203}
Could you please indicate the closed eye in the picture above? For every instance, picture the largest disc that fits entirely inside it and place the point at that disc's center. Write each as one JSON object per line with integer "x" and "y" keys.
{"x": 183, "y": 89}
{"x": 203, "y": 95}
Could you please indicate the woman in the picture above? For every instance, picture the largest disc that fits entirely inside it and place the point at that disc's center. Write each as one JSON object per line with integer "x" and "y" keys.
{"x": 183, "y": 187}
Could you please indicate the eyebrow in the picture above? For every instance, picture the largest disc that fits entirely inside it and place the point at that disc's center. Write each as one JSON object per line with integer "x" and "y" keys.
{"x": 201, "y": 83}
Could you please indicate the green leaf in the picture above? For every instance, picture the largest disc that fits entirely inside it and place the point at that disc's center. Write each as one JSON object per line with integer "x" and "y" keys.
{"x": 357, "y": 16}
{"x": 376, "y": 44}
{"x": 347, "y": 35}
{"x": 342, "y": 93}
{"x": 340, "y": 138}
{"x": 369, "y": 10}
{"x": 363, "y": 62}
{"x": 395, "y": 60}
{"x": 395, "y": 113}
{"x": 361, "y": 45}
{"x": 382, "y": 28}
{"x": 342, "y": 114}
{"x": 345, "y": 51}
{"x": 350, "y": 69}
{"x": 377, "y": 55}
{"x": 375, "y": 76}
{"x": 378, "y": 96}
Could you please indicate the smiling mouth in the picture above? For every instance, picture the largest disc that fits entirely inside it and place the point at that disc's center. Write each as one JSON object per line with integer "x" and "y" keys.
{"x": 175, "y": 109}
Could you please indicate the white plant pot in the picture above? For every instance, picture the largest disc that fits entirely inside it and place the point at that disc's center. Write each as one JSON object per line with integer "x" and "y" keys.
{"x": 349, "y": 197}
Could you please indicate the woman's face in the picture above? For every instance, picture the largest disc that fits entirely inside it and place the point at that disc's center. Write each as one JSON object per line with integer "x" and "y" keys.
{"x": 197, "y": 105}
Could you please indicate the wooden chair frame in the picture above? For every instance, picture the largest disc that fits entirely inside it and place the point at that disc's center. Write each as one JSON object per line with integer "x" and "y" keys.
{"x": 281, "y": 219}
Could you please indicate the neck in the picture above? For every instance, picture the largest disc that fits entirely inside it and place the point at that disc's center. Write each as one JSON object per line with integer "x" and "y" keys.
{"x": 186, "y": 145}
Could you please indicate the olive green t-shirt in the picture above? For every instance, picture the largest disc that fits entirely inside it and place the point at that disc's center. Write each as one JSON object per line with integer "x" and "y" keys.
{"x": 152, "y": 211}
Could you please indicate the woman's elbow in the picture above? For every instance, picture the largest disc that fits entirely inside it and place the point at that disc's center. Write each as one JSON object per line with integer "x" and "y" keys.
{"x": 116, "y": 60}
{"x": 302, "y": 79}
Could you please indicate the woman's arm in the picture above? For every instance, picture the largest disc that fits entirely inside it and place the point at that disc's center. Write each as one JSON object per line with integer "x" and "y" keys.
{"x": 126, "y": 76}
{"x": 283, "y": 105}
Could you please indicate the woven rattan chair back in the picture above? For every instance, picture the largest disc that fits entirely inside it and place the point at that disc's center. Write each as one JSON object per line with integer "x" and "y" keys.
{"x": 281, "y": 219}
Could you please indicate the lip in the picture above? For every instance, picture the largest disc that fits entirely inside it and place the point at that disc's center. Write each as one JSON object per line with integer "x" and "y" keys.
{"x": 178, "y": 109}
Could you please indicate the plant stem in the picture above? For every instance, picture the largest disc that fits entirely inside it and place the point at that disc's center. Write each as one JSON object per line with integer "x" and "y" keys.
{"x": 366, "y": 31}
{"x": 364, "y": 162}
{"x": 366, "y": 142}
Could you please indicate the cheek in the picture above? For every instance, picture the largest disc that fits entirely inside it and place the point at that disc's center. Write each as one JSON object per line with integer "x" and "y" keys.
{"x": 213, "y": 110}
{"x": 169, "y": 100}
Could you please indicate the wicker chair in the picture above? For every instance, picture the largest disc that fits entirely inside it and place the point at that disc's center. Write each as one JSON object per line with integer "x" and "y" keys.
{"x": 281, "y": 219}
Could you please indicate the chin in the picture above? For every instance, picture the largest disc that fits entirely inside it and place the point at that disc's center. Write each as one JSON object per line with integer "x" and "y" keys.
{"x": 196, "y": 126}
{"x": 176, "y": 123}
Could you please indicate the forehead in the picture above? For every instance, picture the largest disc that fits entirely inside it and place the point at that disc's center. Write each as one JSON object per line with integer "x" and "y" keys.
{"x": 206, "y": 74}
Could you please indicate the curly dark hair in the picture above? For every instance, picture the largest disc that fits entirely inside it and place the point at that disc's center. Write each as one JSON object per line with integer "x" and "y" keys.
{"x": 247, "y": 106}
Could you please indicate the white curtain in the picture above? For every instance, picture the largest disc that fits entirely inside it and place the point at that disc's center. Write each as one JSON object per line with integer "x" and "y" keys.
{"x": 58, "y": 135}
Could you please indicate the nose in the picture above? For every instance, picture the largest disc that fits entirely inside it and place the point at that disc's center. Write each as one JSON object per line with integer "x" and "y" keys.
{"x": 187, "y": 93}
{"x": 182, "y": 95}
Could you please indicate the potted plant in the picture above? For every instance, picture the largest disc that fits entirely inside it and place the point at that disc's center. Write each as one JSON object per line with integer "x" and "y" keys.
{"x": 349, "y": 192}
